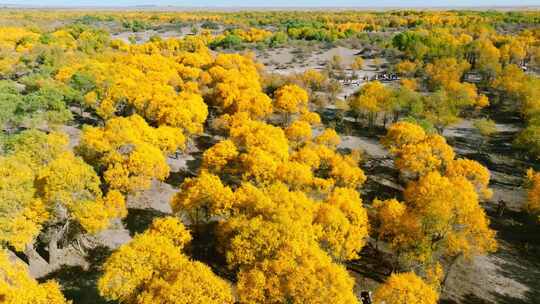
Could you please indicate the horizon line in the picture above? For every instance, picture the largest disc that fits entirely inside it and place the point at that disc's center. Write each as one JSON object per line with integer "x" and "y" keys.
{"x": 4, "y": 5}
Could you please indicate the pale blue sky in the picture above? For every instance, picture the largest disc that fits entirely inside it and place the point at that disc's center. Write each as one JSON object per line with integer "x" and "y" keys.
{"x": 277, "y": 3}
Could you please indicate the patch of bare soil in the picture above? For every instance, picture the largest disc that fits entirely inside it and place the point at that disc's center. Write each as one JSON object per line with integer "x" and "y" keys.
{"x": 370, "y": 146}
{"x": 144, "y": 36}
{"x": 74, "y": 135}
{"x": 297, "y": 60}
{"x": 156, "y": 198}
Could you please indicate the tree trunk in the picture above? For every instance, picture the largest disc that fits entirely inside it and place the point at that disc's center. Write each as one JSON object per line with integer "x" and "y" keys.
{"x": 372, "y": 117}
{"x": 53, "y": 249}
{"x": 396, "y": 116}
{"x": 287, "y": 119}
{"x": 440, "y": 129}
{"x": 36, "y": 263}
{"x": 450, "y": 267}
{"x": 395, "y": 263}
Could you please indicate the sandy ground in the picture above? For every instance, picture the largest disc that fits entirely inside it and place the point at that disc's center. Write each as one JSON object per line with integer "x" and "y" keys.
{"x": 287, "y": 61}
{"x": 368, "y": 145}
{"x": 74, "y": 135}
{"x": 144, "y": 36}
{"x": 293, "y": 60}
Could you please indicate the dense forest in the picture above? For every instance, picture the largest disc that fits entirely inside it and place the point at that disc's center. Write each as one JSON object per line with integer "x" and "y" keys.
{"x": 269, "y": 157}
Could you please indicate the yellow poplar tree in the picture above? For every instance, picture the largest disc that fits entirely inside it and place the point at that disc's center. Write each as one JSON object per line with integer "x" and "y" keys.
{"x": 445, "y": 71}
{"x": 533, "y": 192}
{"x": 46, "y": 189}
{"x": 22, "y": 213}
{"x": 373, "y": 98}
{"x": 298, "y": 276}
{"x": 405, "y": 288}
{"x": 70, "y": 188}
{"x": 152, "y": 269}
{"x": 129, "y": 152}
{"x": 219, "y": 155}
{"x": 342, "y": 221}
{"x": 203, "y": 197}
{"x": 452, "y": 219}
{"x": 160, "y": 87}
{"x": 235, "y": 86}
{"x": 402, "y": 133}
{"x": 290, "y": 99}
{"x": 18, "y": 287}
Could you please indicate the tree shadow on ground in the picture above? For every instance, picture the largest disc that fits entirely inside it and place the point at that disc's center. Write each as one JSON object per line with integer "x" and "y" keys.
{"x": 138, "y": 220}
{"x": 530, "y": 298}
{"x": 511, "y": 167}
{"x": 519, "y": 238}
{"x": 345, "y": 125}
{"x": 175, "y": 179}
{"x": 373, "y": 189}
{"x": 374, "y": 264}
{"x": 204, "y": 248}
{"x": 194, "y": 164}
{"x": 516, "y": 264}
{"x": 467, "y": 299}
{"x": 88, "y": 117}
{"x": 359, "y": 129}
{"x": 203, "y": 142}
{"x": 79, "y": 284}
{"x": 463, "y": 138}
{"x": 503, "y": 114}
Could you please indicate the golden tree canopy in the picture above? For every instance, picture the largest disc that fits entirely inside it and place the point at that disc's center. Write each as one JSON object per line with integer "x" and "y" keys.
{"x": 152, "y": 269}
{"x": 405, "y": 288}
{"x": 17, "y": 287}
{"x": 130, "y": 152}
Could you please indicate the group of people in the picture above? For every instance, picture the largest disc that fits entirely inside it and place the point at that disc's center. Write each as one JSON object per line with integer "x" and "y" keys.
{"x": 385, "y": 77}
{"x": 380, "y": 77}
